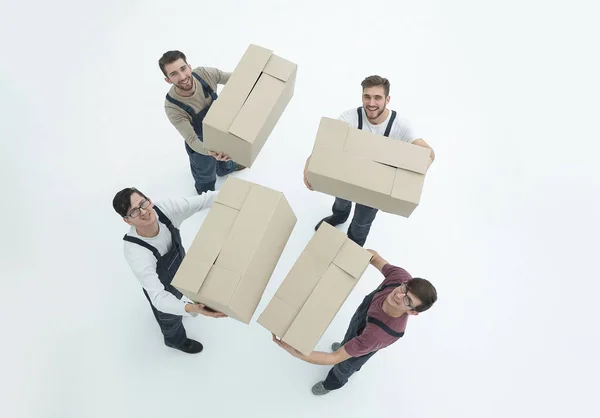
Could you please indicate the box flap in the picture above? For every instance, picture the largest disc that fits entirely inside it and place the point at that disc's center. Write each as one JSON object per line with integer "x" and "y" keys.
{"x": 319, "y": 310}
{"x": 353, "y": 259}
{"x": 279, "y": 68}
{"x": 257, "y": 108}
{"x": 331, "y": 135}
{"x": 354, "y": 170}
{"x": 277, "y": 317}
{"x": 248, "y": 228}
{"x": 408, "y": 186}
{"x": 393, "y": 152}
{"x": 219, "y": 286}
{"x": 235, "y": 92}
{"x": 191, "y": 275}
{"x": 205, "y": 248}
{"x": 234, "y": 192}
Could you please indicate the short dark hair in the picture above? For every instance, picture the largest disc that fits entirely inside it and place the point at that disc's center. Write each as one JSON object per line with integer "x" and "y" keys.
{"x": 374, "y": 81}
{"x": 424, "y": 290}
{"x": 169, "y": 57}
{"x": 122, "y": 200}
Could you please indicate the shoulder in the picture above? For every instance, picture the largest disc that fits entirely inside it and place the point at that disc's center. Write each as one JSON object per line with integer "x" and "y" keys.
{"x": 350, "y": 116}
{"x": 393, "y": 273}
{"x": 402, "y": 129}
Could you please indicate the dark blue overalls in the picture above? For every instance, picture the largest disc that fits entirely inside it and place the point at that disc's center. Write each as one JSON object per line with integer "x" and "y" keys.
{"x": 204, "y": 167}
{"x": 166, "y": 267}
{"x": 340, "y": 373}
{"x": 363, "y": 215}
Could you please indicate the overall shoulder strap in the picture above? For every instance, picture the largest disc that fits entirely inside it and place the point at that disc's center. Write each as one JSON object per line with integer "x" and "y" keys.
{"x": 143, "y": 244}
{"x": 360, "y": 122}
{"x": 388, "y": 128}
{"x": 208, "y": 91}
{"x": 186, "y": 108}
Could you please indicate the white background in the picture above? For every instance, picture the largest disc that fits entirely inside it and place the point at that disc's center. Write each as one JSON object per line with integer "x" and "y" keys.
{"x": 507, "y": 230}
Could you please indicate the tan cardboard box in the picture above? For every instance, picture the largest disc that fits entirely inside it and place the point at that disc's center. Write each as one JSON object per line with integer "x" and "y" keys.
{"x": 315, "y": 288}
{"x": 370, "y": 169}
{"x": 254, "y": 98}
{"x": 236, "y": 249}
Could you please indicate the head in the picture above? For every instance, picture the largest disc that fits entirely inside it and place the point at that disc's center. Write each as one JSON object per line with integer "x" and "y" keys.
{"x": 177, "y": 71}
{"x": 415, "y": 296}
{"x": 375, "y": 96}
{"x": 134, "y": 207}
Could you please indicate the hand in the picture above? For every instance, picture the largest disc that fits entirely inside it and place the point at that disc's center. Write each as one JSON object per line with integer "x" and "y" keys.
{"x": 375, "y": 253}
{"x": 306, "y": 183}
{"x": 219, "y": 156}
{"x": 288, "y": 347}
{"x": 201, "y": 309}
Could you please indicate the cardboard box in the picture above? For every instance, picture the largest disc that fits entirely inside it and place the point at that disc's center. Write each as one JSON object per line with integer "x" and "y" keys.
{"x": 315, "y": 288}
{"x": 236, "y": 249}
{"x": 380, "y": 172}
{"x": 254, "y": 98}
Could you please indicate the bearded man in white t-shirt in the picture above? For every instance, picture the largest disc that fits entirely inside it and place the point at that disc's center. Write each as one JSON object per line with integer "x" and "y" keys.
{"x": 375, "y": 117}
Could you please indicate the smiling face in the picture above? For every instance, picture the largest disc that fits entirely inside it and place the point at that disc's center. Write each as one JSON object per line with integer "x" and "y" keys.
{"x": 374, "y": 101}
{"x": 401, "y": 300}
{"x": 179, "y": 73}
{"x": 140, "y": 213}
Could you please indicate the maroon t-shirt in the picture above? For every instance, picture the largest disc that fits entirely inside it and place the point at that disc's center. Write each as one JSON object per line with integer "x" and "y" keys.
{"x": 374, "y": 338}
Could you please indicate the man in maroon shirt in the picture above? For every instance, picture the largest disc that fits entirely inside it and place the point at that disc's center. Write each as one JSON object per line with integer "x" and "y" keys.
{"x": 379, "y": 321}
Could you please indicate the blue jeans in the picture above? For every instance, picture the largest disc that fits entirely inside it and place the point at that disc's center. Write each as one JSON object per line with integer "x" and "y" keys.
{"x": 205, "y": 169}
{"x": 361, "y": 222}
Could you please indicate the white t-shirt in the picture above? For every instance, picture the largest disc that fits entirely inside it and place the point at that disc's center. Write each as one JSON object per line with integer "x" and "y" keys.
{"x": 400, "y": 128}
{"x": 142, "y": 260}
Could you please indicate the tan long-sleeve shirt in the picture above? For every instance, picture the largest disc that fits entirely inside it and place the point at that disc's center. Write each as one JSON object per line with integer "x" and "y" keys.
{"x": 180, "y": 118}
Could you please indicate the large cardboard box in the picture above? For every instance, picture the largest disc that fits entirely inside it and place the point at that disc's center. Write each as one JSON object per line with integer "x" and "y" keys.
{"x": 315, "y": 288}
{"x": 254, "y": 98}
{"x": 370, "y": 169}
{"x": 236, "y": 249}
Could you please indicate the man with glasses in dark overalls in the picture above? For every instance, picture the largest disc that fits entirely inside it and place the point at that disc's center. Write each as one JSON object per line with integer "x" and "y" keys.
{"x": 186, "y": 105}
{"x": 154, "y": 252}
{"x": 379, "y": 321}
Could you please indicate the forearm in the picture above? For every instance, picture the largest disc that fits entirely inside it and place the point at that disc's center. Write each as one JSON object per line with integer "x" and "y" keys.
{"x": 378, "y": 262}
{"x": 321, "y": 358}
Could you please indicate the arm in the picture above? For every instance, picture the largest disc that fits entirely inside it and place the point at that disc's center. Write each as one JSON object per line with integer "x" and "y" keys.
{"x": 316, "y": 357}
{"x": 377, "y": 261}
{"x": 213, "y": 76}
{"x": 178, "y": 210}
{"x": 182, "y": 122}
{"x": 143, "y": 264}
{"x": 420, "y": 142}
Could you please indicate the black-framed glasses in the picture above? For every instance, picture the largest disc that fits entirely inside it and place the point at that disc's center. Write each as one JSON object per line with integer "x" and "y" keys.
{"x": 406, "y": 299}
{"x": 135, "y": 212}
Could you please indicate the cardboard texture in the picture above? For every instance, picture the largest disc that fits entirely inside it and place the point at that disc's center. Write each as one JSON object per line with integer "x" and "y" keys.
{"x": 380, "y": 172}
{"x": 236, "y": 249}
{"x": 315, "y": 288}
{"x": 254, "y": 98}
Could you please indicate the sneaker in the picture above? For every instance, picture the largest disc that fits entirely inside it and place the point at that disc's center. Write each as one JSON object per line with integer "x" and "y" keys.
{"x": 240, "y": 167}
{"x": 319, "y": 389}
{"x": 335, "y": 346}
{"x": 331, "y": 220}
{"x": 191, "y": 347}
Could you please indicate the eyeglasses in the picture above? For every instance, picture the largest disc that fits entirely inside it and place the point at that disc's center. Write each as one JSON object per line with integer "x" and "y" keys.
{"x": 406, "y": 299}
{"x": 135, "y": 212}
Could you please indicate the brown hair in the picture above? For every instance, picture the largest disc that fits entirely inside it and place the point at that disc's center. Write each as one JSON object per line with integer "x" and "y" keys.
{"x": 424, "y": 290}
{"x": 169, "y": 57}
{"x": 374, "y": 81}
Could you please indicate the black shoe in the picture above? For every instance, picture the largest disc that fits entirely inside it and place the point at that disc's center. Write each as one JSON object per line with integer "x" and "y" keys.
{"x": 191, "y": 347}
{"x": 331, "y": 220}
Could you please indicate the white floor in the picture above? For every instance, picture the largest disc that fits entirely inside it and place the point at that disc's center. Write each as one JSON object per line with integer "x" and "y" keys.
{"x": 506, "y": 93}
